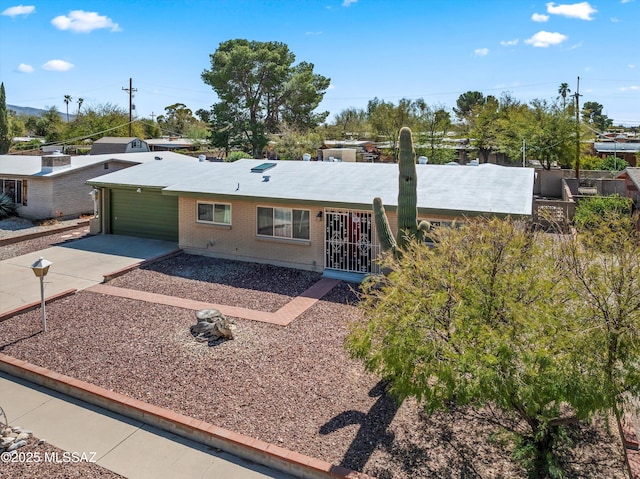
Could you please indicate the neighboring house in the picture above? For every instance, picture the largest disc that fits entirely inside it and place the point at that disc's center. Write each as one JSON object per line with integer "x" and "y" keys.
{"x": 54, "y": 185}
{"x": 116, "y": 144}
{"x": 171, "y": 144}
{"x": 631, "y": 177}
{"x": 618, "y": 147}
{"x": 306, "y": 215}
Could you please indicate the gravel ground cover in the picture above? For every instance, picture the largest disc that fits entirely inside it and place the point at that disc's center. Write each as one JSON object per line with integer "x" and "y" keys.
{"x": 10, "y": 228}
{"x": 220, "y": 281}
{"x": 292, "y": 386}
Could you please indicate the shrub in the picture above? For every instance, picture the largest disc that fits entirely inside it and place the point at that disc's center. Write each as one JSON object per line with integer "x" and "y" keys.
{"x": 237, "y": 155}
{"x": 591, "y": 211}
{"x": 7, "y": 206}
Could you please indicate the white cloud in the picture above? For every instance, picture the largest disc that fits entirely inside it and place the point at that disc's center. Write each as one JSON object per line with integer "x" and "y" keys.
{"x": 84, "y": 22}
{"x": 629, "y": 88}
{"x": 631, "y": 65}
{"x": 346, "y": 3}
{"x": 580, "y": 10}
{"x": 331, "y": 87}
{"x": 481, "y": 52}
{"x": 24, "y": 68}
{"x": 509, "y": 43}
{"x": 313, "y": 33}
{"x": 19, "y": 10}
{"x": 615, "y": 20}
{"x": 626, "y": 1}
{"x": 544, "y": 39}
{"x": 57, "y": 66}
{"x": 539, "y": 17}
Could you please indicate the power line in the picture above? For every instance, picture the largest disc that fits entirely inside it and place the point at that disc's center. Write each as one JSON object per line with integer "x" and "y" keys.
{"x": 130, "y": 90}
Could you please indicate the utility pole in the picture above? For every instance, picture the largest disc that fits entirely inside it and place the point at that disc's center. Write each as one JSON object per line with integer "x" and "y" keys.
{"x": 130, "y": 90}
{"x": 524, "y": 152}
{"x": 577, "y": 97}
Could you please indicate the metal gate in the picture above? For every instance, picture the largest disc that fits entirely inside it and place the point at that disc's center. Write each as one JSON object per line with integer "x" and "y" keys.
{"x": 350, "y": 242}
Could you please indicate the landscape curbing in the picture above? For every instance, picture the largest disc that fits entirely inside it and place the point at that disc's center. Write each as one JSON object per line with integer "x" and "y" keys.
{"x": 251, "y": 449}
{"x": 48, "y": 232}
{"x": 36, "y": 304}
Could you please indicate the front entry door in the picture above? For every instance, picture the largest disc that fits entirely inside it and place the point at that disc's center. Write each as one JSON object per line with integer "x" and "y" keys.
{"x": 349, "y": 241}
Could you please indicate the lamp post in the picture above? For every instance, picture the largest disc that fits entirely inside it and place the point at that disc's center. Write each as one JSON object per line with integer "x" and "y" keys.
{"x": 40, "y": 268}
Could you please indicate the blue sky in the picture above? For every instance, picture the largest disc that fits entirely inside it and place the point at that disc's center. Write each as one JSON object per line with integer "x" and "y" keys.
{"x": 428, "y": 49}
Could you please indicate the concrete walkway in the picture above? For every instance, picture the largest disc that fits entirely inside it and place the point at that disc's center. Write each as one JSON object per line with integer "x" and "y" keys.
{"x": 122, "y": 445}
{"x": 76, "y": 265}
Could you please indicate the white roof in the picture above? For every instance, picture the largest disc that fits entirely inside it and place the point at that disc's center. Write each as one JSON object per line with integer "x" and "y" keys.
{"x": 441, "y": 188}
{"x": 18, "y": 165}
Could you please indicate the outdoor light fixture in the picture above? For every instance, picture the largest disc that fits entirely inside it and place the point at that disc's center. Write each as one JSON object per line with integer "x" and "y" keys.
{"x": 319, "y": 216}
{"x": 139, "y": 190}
{"x": 40, "y": 268}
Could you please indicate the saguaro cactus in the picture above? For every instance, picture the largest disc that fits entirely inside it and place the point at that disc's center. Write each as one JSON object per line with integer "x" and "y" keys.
{"x": 408, "y": 226}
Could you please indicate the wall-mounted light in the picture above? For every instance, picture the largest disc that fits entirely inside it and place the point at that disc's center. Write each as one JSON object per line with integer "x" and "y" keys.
{"x": 319, "y": 216}
{"x": 139, "y": 190}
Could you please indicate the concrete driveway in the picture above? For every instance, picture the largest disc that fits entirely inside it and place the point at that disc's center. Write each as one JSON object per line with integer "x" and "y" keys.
{"x": 76, "y": 265}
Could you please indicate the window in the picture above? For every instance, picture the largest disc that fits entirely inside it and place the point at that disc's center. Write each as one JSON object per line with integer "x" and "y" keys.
{"x": 283, "y": 223}
{"x": 214, "y": 213}
{"x": 13, "y": 189}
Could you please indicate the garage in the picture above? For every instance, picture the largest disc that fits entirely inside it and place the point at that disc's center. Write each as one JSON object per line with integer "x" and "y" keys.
{"x": 144, "y": 213}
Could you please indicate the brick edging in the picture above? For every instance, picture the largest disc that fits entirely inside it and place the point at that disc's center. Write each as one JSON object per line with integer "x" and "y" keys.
{"x": 36, "y": 304}
{"x": 40, "y": 234}
{"x": 239, "y": 445}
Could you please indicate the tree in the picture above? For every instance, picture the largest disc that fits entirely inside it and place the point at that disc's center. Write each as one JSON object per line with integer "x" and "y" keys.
{"x": 386, "y": 120}
{"x": 178, "y": 120}
{"x": 101, "y": 120}
{"x": 80, "y": 102}
{"x": 592, "y": 115}
{"x": 490, "y": 315}
{"x": 258, "y": 86}
{"x": 5, "y": 138}
{"x": 563, "y": 91}
{"x": 483, "y": 122}
{"x": 466, "y": 102}
{"x": 67, "y": 100}
{"x": 432, "y": 124}
{"x": 350, "y": 123}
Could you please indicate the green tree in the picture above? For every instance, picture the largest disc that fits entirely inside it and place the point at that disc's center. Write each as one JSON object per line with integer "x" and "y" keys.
{"x": 563, "y": 91}
{"x": 466, "y": 103}
{"x": 386, "y": 120}
{"x": 5, "y": 138}
{"x": 350, "y": 123}
{"x": 80, "y": 102}
{"x": 291, "y": 144}
{"x": 177, "y": 120}
{"x": 433, "y": 122}
{"x": 258, "y": 86}
{"x": 102, "y": 120}
{"x": 67, "y": 100}
{"x": 592, "y": 115}
{"x": 483, "y": 127}
{"x": 490, "y": 316}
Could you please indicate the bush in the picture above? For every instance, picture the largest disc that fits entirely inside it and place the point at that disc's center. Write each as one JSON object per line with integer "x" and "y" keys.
{"x": 7, "y": 206}
{"x": 591, "y": 211}
{"x": 237, "y": 155}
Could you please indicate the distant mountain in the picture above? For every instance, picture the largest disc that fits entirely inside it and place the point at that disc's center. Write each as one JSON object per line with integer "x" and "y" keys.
{"x": 26, "y": 110}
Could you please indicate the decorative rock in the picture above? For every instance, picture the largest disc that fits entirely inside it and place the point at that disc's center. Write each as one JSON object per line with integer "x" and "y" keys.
{"x": 212, "y": 325}
{"x": 41, "y": 441}
{"x": 17, "y": 429}
{"x": 208, "y": 315}
{"x": 5, "y": 441}
{"x": 22, "y": 435}
{"x": 16, "y": 445}
{"x": 7, "y": 431}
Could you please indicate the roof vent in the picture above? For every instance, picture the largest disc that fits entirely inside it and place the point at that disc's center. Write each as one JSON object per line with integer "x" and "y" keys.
{"x": 262, "y": 167}
{"x": 158, "y": 157}
{"x": 266, "y": 178}
{"x": 202, "y": 158}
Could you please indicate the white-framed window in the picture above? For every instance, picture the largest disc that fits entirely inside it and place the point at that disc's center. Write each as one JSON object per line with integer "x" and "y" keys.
{"x": 213, "y": 213}
{"x": 283, "y": 222}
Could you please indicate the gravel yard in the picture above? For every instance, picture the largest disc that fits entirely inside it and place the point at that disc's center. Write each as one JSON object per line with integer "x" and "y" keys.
{"x": 292, "y": 386}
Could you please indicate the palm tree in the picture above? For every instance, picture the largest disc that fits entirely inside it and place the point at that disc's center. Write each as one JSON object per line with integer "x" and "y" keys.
{"x": 80, "y": 102}
{"x": 67, "y": 100}
{"x": 564, "y": 90}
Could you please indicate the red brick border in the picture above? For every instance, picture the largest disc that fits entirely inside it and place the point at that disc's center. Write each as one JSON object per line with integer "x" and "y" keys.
{"x": 246, "y": 447}
{"x": 40, "y": 234}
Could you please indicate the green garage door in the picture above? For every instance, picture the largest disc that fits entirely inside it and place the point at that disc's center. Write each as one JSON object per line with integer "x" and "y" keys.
{"x": 148, "y": 214}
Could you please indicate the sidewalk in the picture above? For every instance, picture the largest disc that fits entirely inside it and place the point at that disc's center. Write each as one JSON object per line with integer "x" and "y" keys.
{"x": 122, "y": 445}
